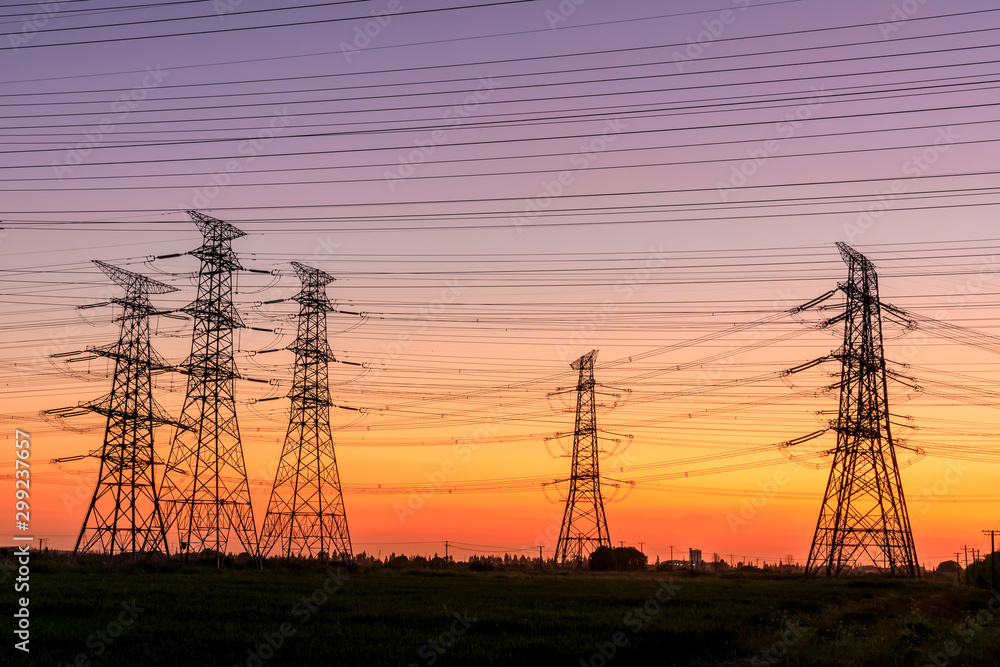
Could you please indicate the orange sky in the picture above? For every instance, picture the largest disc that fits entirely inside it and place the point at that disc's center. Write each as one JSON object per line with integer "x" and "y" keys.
{"x": 628, "y": 177}
{"x": 403, "y": 443}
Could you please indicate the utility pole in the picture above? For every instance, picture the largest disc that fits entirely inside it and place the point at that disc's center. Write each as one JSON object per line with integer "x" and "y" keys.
{"x": 584, "y": 525}
{"x": 541, "y": 563}
{"x": 993, "y": 559}
{"x": 124, "y": 516}
{"x": 306, "y": 515}
{"x": 640, "y": 547}
{"x": 446, "y": 551}
{"x": 671, "y": 555}
{"x": 863, "y": 517}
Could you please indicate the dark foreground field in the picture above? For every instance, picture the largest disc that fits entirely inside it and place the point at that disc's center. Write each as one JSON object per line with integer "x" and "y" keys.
{"x": 172, "y": 615}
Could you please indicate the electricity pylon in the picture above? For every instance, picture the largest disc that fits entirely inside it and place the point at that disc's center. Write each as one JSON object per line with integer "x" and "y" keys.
{"x": 124, "y": 516}
{"x": 306, "y": 515}
{"x": 863, "y": 517}
{"x": 584, "y": 526}
{"x": 205, "y": 483}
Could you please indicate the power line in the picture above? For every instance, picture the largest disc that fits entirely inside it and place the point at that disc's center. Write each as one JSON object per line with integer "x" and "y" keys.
{"x": 36, "y": 45}
{"x": 375, "y": 47}
{"x": 592, "y": 68}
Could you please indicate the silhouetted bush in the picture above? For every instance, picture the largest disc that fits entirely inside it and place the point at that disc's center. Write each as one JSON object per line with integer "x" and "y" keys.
{"x": 619, "y": 558}
{"x": 480, "y": 565}
{"x": 602, "y": 560}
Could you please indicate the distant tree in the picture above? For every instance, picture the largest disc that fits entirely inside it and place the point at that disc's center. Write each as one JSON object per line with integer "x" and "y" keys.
{"x": 980, "y": 573}
{"x": 398, "y": 561}
{"x": 619, "y": 558}
{"x": 948, "y": 567}
{"x": 477, "y": 564}
{"x": 629, "y": 558}
{"x": 602, "y": 559}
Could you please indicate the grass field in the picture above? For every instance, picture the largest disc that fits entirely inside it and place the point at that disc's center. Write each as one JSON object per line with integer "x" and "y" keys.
{"x": 173, "y": 614}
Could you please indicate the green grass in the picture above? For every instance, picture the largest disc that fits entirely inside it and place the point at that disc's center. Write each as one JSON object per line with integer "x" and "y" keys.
{"x": 200, "y": 616}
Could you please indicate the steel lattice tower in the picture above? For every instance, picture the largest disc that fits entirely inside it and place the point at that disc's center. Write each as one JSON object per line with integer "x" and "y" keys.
{"x": 124, "y": 515}
{"x": 584, "y": 526}
{"x": 306, "y": 515}
{"x": 863, "y": 516}
{"x": 205, "y": 483}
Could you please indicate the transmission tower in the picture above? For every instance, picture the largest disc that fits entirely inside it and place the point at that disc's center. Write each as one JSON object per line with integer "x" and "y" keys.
{"x": 205, "y": 482}
{"x": 306, "y": 515}
{"x": 863, "y": 517}
{"x": 124, "y": 515}
{"x": 584, "y": 526}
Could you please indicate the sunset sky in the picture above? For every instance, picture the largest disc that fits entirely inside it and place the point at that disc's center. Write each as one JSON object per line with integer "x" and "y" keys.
{"x": 501, "y": 187}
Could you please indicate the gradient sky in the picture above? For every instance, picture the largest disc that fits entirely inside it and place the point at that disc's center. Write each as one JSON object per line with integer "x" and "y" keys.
{"x": 712, "y": 155}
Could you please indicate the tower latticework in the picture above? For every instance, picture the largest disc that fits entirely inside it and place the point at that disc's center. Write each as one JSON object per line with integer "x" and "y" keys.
{"x": 124, "y": 518}
{"x": 205, "y": 483}
{"x": 863, "y": 519}
{"x": 584, "y": 526}
{"x": 306, "y": 515}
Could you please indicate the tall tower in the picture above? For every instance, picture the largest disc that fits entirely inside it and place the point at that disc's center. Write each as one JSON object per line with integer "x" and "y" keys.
{"x": 584, "y": 526}
{"x": 124, "y": 515}
{"x": 205, "y": 483}
{"x": 863, "y": 517}
{"x": 306, "y": 515}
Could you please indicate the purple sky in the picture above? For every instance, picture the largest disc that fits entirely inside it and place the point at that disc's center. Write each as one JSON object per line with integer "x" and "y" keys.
{"x": 670, "y": 146}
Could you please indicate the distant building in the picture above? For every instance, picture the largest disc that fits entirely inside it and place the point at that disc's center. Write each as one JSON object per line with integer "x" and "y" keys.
{"x": 694, "y": 556}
